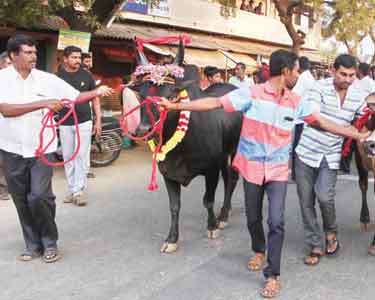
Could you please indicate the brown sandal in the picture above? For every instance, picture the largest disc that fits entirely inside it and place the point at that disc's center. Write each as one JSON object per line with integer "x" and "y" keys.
{"x": 256, "y": 262}
{"x": 271, "y": 288}
{"x": 313, "y": 258}
{"x": 332, "y": 242}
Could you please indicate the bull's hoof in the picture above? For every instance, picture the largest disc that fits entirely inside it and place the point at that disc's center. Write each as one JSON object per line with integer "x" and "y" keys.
{"x": 365, "y": 227}
{"x": 221, "y": 225}
{"x": 371, "y": 250}
{"x": 213, "y": 234}
{"x": 168, "y": 248}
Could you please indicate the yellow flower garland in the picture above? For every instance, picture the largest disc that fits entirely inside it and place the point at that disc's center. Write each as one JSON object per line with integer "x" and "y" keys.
{"x": 177, "y": 136}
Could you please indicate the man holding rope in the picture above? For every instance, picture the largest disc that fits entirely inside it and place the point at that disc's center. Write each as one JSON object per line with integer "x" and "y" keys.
{"x": 25, "y": 96}
{"x": 270, "y": 111}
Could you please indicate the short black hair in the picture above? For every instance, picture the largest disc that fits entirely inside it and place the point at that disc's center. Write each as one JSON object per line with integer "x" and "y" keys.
{"x": 210, "y": 71}
{"x": 345, "y": 60}
{"x": 281, "y": 59}
{"x": 364, "y": 69}
{"x": 242, "y": 65}
{"x": 16, "y": 41}
{"x": 85, "y": 55}
{"x": 304, "y": 63}
{"x": 70, "y": 49}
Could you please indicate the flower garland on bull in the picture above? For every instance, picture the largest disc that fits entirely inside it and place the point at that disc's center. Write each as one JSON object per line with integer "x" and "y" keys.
{"x": 158, "y": 74}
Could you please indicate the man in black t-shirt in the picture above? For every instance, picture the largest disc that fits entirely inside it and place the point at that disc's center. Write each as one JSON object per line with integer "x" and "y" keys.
{"x": 76, "y": 171}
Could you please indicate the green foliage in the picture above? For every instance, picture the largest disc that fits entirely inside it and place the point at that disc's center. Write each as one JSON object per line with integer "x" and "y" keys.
{"x": 21, "y": 13}
{"x": 349, "y": 21}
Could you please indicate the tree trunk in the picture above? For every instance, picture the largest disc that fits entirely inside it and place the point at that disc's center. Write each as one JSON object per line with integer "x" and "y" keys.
{"x": 286, "y": 10}
{"x": 372, "y": 36}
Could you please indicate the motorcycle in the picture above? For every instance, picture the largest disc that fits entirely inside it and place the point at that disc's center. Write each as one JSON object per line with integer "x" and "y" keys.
{"x": 105, "y": 150}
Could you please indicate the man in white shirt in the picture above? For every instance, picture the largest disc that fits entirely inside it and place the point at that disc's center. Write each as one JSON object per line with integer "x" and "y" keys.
{"x": 4, "y": 62}
{"x": 240, "y": 79}
{"x": 25, "y": 96}
{"x": 304, "y": 84}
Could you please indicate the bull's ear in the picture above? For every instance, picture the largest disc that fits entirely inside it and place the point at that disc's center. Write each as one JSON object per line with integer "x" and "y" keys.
{"x": 180, "y": 56}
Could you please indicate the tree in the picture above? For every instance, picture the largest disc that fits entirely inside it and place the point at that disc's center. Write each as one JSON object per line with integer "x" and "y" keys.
{"x": 350, "y": 22}
{"x": 84, "y": 15}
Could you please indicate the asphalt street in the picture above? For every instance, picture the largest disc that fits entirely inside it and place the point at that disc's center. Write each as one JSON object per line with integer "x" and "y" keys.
{"x": 111, "y": 247}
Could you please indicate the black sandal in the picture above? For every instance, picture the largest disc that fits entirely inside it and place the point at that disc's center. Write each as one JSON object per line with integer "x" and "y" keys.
{"x": 313, "y": 255}
{"x": 51, "y": 255}
{"x": 331, "y": 242}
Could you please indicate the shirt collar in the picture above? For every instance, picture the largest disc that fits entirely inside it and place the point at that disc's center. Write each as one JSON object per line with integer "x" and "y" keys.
{"x": 18, "y": 75}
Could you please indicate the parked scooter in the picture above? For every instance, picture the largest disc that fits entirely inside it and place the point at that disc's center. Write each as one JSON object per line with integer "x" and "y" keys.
{"x": 105, "y": 150}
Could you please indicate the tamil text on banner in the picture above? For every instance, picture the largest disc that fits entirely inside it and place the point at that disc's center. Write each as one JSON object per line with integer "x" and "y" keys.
{"x": 74, "y": 38}
{"x": 161, "y": 9}
{"x": 136, "y": 6}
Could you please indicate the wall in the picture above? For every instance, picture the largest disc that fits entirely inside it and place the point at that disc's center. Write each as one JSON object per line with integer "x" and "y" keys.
{"x": 205, "y": 15}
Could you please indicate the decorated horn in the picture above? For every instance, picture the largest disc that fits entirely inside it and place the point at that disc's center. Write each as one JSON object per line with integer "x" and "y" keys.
{"x": 141, "y": 58}
{"x": 179, "y": 60}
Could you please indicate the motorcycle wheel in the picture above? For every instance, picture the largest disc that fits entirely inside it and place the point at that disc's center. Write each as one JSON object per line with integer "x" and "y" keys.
{"x": 106, "y": 151}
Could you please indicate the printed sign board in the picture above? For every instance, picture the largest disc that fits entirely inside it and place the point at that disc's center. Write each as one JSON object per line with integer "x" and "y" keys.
{"x": 160, "y": 9}
{"x": 136, "y": 6}
{"x": 74, "y": 38}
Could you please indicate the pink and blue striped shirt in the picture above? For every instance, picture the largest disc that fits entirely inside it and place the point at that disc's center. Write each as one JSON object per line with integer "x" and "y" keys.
{"x": 266, "y": 134}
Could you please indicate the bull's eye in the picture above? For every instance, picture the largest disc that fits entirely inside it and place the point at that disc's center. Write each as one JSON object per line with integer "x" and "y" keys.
{"x": 372, "y": 146}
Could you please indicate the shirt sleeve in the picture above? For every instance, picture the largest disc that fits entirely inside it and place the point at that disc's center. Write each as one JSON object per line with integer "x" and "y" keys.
{"x": 309, "y": 106}
{"x": 237, "y": 100}
{"x": 60, "y": 89}
{"x": 361, "y": 111}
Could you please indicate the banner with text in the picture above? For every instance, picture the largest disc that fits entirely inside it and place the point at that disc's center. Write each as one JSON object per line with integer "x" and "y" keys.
{"x": 74, "y": 38}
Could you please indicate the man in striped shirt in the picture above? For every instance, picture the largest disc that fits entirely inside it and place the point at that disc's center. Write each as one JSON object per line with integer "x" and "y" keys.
{"x": 319, "y": 154}
{"x": 269, "y": 111}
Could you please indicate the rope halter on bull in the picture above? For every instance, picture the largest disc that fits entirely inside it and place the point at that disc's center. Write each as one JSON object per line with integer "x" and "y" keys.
{"x": 159, "y": 75}
{"x": 360, "y": 123}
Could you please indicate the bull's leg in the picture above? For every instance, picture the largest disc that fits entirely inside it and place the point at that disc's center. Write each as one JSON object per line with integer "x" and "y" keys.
{"x": 363, "y": 185}
{"x": 230, "y": 178}
{"x": 212, "y": 179}
{"x": 174, "y": 194}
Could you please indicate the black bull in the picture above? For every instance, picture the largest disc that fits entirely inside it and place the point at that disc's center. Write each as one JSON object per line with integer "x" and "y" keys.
{"x": 207, "y": 148}
{"x": 366, "y": 164}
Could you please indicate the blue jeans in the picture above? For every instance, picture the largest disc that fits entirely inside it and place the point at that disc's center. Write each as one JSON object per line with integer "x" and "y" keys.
{"x": 276, "y": 193}
{"x": 316, "y": 183}
{"x": 76, "y": 170}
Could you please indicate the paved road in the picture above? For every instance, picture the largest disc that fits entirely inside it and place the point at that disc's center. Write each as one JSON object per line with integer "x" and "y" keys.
{"x": 111, "y": 247}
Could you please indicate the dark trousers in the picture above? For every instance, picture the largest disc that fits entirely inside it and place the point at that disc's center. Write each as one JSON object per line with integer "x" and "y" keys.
{"x": 298, "y": 129}
{"x": 30, "y": 185}
{"x": 276, "y": 193}
{"x": 316, "y": 183}
{"x": 3, "y": 184}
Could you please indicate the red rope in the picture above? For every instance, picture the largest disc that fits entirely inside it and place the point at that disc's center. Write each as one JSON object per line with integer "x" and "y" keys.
{"x": 359, "y": 123}
{"x": 49, "y": 123}
{"x": 156, "y": 128}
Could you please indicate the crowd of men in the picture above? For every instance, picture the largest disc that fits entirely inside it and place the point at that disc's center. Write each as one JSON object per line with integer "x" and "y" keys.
{"x": 288, "y": 100}
{"x": 320, "y": 114}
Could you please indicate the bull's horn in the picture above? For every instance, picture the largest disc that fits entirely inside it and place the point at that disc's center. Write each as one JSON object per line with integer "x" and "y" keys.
{"x": 141, "y": 58}
{"x": 179, "y": 60}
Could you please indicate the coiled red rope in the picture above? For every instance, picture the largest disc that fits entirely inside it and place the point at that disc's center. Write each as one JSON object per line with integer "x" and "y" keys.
{"x": 48, "y": 122}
